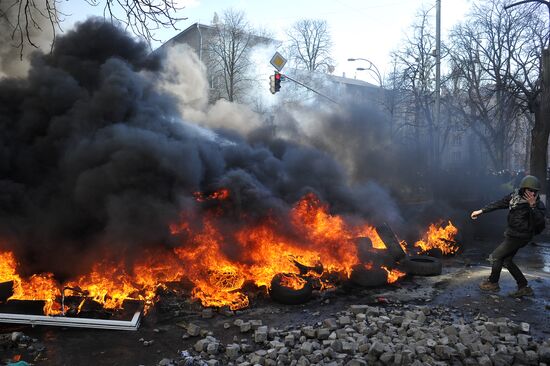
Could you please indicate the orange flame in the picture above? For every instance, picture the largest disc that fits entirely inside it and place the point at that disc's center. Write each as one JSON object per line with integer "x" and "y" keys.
{"x": 37, "y": 287}
{"x": 221, "y": 195}
{"x": 377, "y": 242}
{"x": 313, "y": 244}
{"x": 393, "y": 274}
{"x": 439, "y": 237}
{"x": 290, "y": 280}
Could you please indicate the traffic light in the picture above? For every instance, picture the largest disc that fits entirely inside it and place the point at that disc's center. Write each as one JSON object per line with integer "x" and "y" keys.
{"x": 272, "y": 84}
{"x": 275, "y": 82}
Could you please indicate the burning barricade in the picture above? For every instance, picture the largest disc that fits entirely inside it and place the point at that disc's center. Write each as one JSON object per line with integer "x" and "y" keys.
{"x": 318, "y": 252}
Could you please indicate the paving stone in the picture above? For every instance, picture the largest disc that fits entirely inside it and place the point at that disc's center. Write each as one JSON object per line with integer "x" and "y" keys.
{"x": 193, "y": 330}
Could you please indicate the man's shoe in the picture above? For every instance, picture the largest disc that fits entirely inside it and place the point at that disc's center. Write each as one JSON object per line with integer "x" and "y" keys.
{"x": 489, "y": 286}
{"x": 524, "y": 291}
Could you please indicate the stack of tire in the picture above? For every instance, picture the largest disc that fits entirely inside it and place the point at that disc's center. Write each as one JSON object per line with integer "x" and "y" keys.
{"x": 366, "y": 274}
{"x": 369, "y": 273}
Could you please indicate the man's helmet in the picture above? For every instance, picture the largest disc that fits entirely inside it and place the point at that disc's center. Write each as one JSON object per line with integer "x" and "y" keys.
{"x": 531, "y": 182}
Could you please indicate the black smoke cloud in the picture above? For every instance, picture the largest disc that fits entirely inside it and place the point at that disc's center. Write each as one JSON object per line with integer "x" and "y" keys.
{"x": 360, "y": 138}
{"x": 93, "y": 155}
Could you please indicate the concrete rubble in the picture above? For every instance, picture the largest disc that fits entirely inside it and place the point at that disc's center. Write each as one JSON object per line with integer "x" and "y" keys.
{"x": 368, "y": 335}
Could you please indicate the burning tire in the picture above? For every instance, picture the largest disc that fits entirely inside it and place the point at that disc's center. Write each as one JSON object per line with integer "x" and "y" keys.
{"x": 390, "y": 240}
{"x": 422, "y": 265}
{"x": 368, "y": 276}
{"x": 368, "y": 254}
{"x": 291, "y": 289}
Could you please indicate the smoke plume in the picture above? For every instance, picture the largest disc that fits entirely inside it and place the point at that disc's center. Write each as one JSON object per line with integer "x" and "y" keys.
{"x": 96, "y": 154}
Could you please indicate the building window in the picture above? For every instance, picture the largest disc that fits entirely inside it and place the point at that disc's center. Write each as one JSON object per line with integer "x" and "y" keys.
{"x": 457, "y": 156}
{"x": 457, "y": 140}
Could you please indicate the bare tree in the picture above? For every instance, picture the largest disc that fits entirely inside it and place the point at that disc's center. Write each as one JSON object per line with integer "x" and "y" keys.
{"x": 491, "y": 59}
{"x": 229, "y": 55}
{"x": 532, "y": 78}
{"x": 24, "y": 19}
{"x": 310, "y": 45}
{"x": 414, "y": 76}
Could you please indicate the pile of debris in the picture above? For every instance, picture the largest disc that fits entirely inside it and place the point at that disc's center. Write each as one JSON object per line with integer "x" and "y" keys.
{"x": 23, "y": 343}
{"x": 367, "y": 335}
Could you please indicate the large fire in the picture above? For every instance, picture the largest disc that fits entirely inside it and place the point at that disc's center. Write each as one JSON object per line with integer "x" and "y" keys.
{"x": 313, "y": 244}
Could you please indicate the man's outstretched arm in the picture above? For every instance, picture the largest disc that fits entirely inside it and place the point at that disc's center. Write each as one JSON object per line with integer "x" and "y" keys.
{"x": 497, "y": 205}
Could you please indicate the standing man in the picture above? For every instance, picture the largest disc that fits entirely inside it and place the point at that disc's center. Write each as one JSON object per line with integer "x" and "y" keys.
{"x": 525, "y": 219}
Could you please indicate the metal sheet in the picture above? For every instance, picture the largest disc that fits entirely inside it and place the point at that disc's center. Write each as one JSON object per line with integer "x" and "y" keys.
{"x": 61, "y": 321}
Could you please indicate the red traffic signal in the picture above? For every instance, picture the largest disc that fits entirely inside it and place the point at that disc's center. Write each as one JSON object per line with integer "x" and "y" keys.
{"x": 277, "y": 82}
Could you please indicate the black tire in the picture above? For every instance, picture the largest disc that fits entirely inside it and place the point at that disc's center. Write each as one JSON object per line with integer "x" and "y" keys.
{"x": 289, "y": 296}
{"x": 435, "y": 252}
{"x": 372, "y": 277}
{"x": 367, "y": 254}
{"x": 364, "y": 246}
{"x": 390, "y": 240}
{"x": 422, "y": 265}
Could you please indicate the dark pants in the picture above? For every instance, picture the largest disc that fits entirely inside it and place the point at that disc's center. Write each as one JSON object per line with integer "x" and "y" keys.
{"x": 503, "y": 255}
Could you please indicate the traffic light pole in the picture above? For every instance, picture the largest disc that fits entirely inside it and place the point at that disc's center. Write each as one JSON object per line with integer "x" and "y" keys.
{"x": 309, "y": 88}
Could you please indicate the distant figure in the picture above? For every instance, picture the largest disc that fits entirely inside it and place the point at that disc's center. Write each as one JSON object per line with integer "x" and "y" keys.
{"x": 525, "y": 219}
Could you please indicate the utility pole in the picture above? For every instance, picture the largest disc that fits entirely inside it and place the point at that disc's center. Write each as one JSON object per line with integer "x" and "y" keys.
{"x": 435, "y": 149}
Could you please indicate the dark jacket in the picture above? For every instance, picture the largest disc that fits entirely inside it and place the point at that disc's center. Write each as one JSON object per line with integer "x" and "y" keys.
{"x": 522, "y": 219}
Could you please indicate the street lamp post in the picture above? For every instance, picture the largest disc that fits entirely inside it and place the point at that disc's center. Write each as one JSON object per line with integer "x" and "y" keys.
{"x": 372, "y": 68}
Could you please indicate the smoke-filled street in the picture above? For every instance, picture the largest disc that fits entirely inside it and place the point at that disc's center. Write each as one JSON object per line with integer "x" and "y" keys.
{"x": 222, "y": 196}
